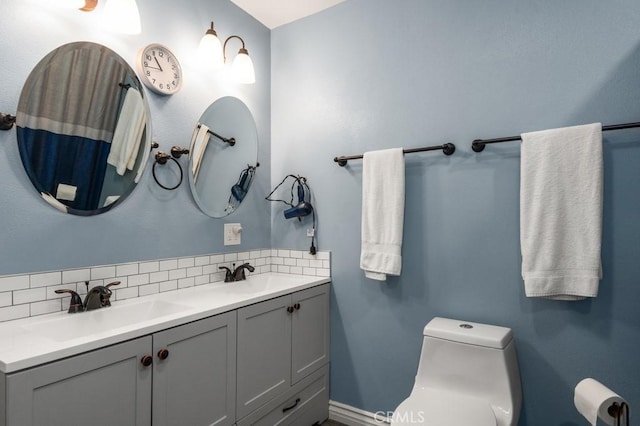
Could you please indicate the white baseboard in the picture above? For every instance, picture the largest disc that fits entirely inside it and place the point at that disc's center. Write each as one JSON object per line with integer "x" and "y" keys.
{"x": 352, "y": 416}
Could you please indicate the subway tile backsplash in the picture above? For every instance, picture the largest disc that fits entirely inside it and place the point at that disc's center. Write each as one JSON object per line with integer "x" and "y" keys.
{"x": 34, "y": 294}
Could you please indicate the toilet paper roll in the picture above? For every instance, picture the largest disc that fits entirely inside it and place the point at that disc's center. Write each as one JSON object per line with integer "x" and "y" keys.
{"x": 592, "y": 399}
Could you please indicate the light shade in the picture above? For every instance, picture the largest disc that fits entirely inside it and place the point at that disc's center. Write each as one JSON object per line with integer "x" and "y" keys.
{"x": 72, "y": 4}
{"x": 210, "y": 50}
{"x": 123, "y": 16}
{"x": 242, "y": 68}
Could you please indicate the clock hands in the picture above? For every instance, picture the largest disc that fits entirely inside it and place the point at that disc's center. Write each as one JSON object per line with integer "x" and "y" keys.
{"x": 159, "y": 67}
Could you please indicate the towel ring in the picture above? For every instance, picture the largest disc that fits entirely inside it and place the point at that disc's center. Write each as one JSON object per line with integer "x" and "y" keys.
{"x": 162, "y": 158}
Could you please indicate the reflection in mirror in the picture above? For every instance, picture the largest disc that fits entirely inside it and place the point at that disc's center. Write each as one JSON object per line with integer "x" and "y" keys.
{"x": 222, "y": 162}
{"x": 83, "y": 128}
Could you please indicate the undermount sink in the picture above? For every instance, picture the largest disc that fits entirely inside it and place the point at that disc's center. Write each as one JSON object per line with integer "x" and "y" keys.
{"x": 73, "y": 326}
{"x": 257, "y": 284}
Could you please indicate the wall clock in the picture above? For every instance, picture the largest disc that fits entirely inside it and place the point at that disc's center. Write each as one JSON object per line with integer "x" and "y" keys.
{"x": 159, "y": 69}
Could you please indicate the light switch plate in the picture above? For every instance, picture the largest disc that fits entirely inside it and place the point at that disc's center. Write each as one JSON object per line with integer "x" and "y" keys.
{"x": 232, "y": 234}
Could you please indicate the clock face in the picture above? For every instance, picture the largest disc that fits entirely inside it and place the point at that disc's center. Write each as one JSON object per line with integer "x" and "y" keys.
{"x": 159, "y": 69}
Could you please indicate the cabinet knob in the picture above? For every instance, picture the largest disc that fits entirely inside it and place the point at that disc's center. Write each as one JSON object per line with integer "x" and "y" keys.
{"x": 296, "y": 306}
{"x": 163, "y": 354}
{"x": 290, "y": 309}
{"x": 146, "y": 360}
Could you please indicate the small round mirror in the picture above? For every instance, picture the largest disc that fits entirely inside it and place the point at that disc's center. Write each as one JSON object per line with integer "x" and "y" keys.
{"x": 83, "y": 128}
{"x": 223, "y": 155}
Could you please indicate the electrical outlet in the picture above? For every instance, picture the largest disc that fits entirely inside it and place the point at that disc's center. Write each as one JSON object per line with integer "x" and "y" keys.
{"x": 311, "y": 232}
{"x": 232, "y": 234}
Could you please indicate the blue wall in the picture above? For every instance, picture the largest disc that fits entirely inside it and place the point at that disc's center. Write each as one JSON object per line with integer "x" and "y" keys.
{"x": 373, "y": 74}
{"x": 152, "y": 223}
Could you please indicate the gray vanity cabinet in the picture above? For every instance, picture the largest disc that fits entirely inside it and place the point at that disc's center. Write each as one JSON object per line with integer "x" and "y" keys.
{"x": 101, "y": 388}
{"x": 264, "y": 364}
{"x": 280, "y": 342}
{"x": 309, "y": 331}
{"x": 190, "y": 381}
{"x": 264, "y": 353}
{"x": 195, "y": 382}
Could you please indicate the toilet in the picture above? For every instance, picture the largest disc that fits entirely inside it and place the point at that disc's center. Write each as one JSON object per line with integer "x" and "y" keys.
{"x": 467, "y": 376}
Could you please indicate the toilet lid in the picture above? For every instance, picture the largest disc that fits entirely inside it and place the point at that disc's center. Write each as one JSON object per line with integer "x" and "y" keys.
{"x": 436, "y": 408}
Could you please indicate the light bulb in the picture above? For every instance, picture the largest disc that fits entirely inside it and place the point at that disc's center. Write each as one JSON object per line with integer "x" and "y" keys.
{"x": 123, "y": 16}
{"x": 242, "y": 68}
{"x": 72, "y": 4}
{"x": 210, "y": 51}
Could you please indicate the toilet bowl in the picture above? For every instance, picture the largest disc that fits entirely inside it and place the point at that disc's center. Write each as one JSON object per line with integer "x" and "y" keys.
{"x": 467, "y": 376}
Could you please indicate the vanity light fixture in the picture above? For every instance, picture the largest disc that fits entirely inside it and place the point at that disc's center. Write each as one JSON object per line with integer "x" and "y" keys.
{"x": 72, "y": 4}
{"x": 242, "y": 66}
{"x": 88, "y": 5}
{"x": 213, "y": 55}
{"x": 122, "y": 16}
{"x": 210, "y": 50}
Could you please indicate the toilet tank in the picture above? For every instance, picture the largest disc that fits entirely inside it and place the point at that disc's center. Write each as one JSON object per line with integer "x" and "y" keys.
{"x": 476, "y": 360}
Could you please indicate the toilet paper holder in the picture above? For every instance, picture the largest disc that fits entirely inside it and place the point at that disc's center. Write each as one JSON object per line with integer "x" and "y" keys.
{"x": 619, "y": 412}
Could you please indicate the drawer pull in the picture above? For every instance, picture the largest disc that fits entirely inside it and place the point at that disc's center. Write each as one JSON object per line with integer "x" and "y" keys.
{"x": 146, "y": 360}
{"x": 295, "y": 404}
{"x": 163, "y": 354}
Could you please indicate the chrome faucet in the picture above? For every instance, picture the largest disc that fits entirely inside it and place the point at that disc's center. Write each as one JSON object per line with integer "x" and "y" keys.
{"x": 237, "y": 274}
{"x": 96, "y": 298}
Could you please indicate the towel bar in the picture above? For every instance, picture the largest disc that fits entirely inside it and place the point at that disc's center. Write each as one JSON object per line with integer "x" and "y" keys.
{"x": 447, "y": 149}
{"x": 479, "y": 144}
{"x": 231, "y": 141}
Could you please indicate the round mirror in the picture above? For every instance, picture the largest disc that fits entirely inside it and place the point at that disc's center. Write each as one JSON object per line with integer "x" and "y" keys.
{"x": 83, "y": 128}
{"x": 223, "y": 155}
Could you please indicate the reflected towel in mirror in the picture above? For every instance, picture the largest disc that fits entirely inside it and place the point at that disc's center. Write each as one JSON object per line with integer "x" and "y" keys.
{"x": 199, "y": 143}
{"x": 128, "y": 134}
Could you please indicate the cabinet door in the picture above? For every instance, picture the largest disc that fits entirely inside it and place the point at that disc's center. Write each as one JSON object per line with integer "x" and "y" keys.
{"x": 105, "y": 387}
{"x": 264, "y": 353}
{"x": 310, "y": 332}
{"x": 195, "y": 384}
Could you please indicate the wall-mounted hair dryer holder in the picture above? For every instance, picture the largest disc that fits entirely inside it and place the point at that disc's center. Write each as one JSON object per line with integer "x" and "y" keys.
{"x": 303, "y": 208}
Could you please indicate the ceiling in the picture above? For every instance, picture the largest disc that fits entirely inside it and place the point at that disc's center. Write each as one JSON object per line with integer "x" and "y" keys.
{"x": 273, "y": 13}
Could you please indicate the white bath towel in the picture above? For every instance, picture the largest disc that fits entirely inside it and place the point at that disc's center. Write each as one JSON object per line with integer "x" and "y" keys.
{"x": 128, "y": 133}
{"x": 382, "y": 213}
{"x": 561, "y": 212}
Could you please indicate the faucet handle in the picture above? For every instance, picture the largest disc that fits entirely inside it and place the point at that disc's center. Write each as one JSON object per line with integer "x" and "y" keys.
{"x": 228, "y": 276}
{"x": 75, "y": 305}
{"x": 105, "y": 296}
{"x": 113, "y": 283}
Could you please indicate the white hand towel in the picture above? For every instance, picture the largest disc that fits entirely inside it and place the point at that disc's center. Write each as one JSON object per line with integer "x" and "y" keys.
{"x": 128, "y": 133}
{"x": 561, "y": 212}
{"x": 382, "y": 213}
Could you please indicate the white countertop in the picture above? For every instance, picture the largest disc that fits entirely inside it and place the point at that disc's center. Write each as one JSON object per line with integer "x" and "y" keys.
{"x": 32, "y": 341}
